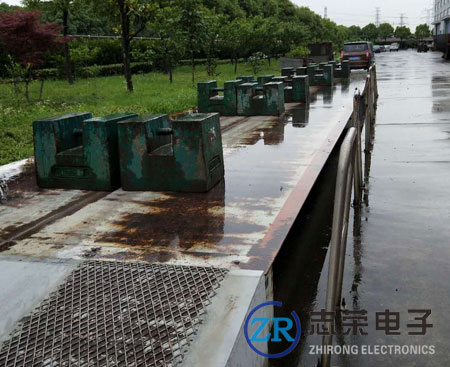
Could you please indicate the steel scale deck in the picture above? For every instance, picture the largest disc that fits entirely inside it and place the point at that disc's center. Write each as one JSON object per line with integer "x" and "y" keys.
{"x": 235, "y": 230}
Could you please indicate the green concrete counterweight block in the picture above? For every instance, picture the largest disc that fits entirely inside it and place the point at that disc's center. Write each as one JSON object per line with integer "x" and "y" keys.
{"x": 269, "y": 102}
{"x": 273, "y": 99}
{"x": 263, "y": 79}
{"x": 184, "y": 156}
{"x": 209, "y": 100}
{"x": 343, "y": 70}
{"x": 300, "y": 89}
{"x": 301, "y": 71}
{"x": 311, "y": 71}
{"x": 328, "y": 75}
{"x": 246, "y": 79}
{"x": 245, "y": 94}
{"x": 78, "y": 152}
{"x": 288, "y": 72}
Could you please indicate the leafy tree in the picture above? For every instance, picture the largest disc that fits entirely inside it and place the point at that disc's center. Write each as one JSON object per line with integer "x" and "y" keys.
{"x": 385, "y": 30}
{"x": 313, "y": 22}
{"x": 233, "y": 39}
{"x": 134, "y": 15}
{"x": 192, "y": 21}
{"x": 131, "y": 17}
{"x": 268, "y": 36}
{"x": 64, "y": 7}
{"x": 256, "y": 61}
{"x": 210, "y": 45}
{"x": 354, "y": 33}
{"x": 27, "y": 40}
{"x": 171, "y": 45}
{"x": 422, "y": 31}
{"x": 7, "y": 8}
{"x": 370, "y": 32}
{"x": 291, "y": 34}
{"x": 402, "y": 32}
{"x": 299, "y": 52}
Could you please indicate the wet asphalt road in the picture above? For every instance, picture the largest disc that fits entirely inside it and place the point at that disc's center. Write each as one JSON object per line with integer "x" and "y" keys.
{"x": 401, "y": 259}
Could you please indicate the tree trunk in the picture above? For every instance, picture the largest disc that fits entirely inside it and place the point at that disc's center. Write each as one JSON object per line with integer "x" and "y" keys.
{"x": 171, "y": 76}
{"x": 193, "y": 68}
{"x": 27, "y": 94}
{"x": 125, "y": 25}
{"x": 68, "y": 65}
{"x": 191, "y": 46}
{"x": 235, "y": 65}
{"x": 41, "y": 90}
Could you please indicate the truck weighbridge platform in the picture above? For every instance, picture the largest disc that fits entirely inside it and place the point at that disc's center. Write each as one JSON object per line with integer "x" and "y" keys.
{"x": 152, "y": 278}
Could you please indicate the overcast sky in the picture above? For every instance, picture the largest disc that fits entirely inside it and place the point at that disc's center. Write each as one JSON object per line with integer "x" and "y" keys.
{"x": 362, "y": 12}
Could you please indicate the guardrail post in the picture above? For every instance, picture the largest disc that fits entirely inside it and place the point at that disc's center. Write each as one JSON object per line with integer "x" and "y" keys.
{"x": 358, "y": 158}
{"x": 339, "y": 232}
{"x": 368, "y": 128}
{"x": 350, "y": 172}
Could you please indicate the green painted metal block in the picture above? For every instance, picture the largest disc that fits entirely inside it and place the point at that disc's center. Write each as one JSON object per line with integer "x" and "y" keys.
{"x": 301, "y": 71}
{"x": 78, "y": 152}
{"x": 52, "y": 136}
{"x": 273, "y": 99}
{"x": 263, "y": 79}
{"x": 209, "y": 100}
{"x": 269, "y": 102}
{"x": 185, "y": 155}
{"x": 230, "y": 97}
{"x": 245, "y": 94}
{"x": 320, "y": 77}
{"x": 289, "y": 72}
{"x": 345, "y": 65}
{"x": 343, "y": 70}
{"x": 284, "y": 79}
{"x": 311, "y": 71}
{"x": 300, "y": 89}
{"x": 328, "y": 76}
{"x": 246, "y": 79}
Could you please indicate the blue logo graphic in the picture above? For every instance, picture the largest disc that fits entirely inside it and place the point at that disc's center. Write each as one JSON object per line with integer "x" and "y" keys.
{"x": 281, "y": 328}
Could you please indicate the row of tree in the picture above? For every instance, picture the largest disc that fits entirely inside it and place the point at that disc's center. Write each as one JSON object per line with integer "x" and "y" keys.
{"x": 385, "y": 30}
{"x": 208, "y": 29}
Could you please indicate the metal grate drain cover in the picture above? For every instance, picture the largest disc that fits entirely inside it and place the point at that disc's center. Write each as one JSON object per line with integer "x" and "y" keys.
{"x": 115, "y": 314}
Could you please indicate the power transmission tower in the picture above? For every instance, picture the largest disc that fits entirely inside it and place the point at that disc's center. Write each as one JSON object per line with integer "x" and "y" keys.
{"x": 377, "y": 17}
{"x": 402, "y": 19}
{"x": 325, "y": 13}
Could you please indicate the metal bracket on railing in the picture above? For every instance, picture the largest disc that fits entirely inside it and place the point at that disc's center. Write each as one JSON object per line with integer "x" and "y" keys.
{"x": 350, "y": 173}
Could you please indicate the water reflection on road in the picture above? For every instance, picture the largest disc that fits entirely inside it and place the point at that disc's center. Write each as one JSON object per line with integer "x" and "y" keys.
{"x": 398, "y": 255}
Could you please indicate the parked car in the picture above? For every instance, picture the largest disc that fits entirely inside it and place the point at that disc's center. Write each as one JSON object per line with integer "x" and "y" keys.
{"x": 384, "y": 48}
{"x": 360, "y": 54}
{"x": 377, "y": 49}
{"x": 394, "y": 47}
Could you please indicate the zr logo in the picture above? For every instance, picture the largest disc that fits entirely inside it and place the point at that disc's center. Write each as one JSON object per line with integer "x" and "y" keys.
{"x": 281, "y": 330}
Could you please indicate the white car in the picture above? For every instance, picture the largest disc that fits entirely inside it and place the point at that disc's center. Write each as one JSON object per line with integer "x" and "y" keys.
{"x": 394, "y": 47}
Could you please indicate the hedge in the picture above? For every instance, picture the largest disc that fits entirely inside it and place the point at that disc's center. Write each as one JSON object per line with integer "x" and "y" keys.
{"x": 96, "y": 70}
{"x": 114, "y": 69}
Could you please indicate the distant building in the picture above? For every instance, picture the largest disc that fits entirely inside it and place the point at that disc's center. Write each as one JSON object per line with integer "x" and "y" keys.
{"x": 441, "y": 24}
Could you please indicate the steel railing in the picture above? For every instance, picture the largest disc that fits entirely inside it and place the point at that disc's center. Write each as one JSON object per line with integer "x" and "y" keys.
{"x": 349, "y": 180}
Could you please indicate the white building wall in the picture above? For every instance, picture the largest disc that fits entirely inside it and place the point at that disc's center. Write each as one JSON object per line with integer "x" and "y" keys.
{"x": 442, "y": 16}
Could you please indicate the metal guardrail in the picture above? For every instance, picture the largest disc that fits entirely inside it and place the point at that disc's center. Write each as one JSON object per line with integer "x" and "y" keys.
{"x": 349, "y": 180}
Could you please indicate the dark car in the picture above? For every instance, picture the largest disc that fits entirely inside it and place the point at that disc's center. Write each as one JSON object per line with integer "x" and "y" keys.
{"x": 360, "y": 54}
